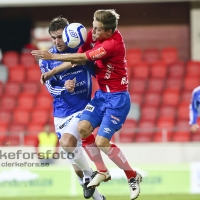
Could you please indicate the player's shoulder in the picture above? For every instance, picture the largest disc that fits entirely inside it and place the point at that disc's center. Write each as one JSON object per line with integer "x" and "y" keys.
{"x": 196, "y": 91}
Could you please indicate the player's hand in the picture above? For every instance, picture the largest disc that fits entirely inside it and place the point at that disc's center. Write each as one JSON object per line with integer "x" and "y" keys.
{"x": 70, "y": 85}
{"x": 194, "y": 127}
{"x": 39, "y": 54}
{"x": 45, "y": 76}
{"x": 78, "y": 63}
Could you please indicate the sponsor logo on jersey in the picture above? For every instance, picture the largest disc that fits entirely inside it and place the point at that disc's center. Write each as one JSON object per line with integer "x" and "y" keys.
{"x": 89, "y": 108}
{"x": 115, "y": 118}
{"x": 124, "y": 81}
{"x": 106, "y": 130}
{"x": 109, "y": 70}
{"x": 62, "y": 126}
{"x": 97, "y": 53}
{"x": 113, "y": 121}
{"x": 66, "y": 123}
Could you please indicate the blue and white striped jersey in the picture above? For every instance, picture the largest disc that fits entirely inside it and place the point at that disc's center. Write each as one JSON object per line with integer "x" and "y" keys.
{"x": 195, "y": 106}
{"x": 66, "y": 103}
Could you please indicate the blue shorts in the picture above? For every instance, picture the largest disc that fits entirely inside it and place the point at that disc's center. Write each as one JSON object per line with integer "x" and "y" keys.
{"x": 107, "y": 110}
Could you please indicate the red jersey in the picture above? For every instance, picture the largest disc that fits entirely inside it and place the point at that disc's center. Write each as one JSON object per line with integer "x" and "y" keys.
{"x": 110, "y": 62}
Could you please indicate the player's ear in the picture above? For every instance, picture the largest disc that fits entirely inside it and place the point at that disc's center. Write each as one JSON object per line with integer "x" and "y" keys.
{"x": 110, "y": 32}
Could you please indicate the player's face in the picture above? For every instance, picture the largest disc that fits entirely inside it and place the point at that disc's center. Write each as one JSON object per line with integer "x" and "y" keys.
{"x": 98, "y": 31}
{"x": 57, "y": 40}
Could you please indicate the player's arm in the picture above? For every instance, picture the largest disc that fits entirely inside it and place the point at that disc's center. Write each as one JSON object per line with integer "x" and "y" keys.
{"x": 193, "y": 114}
{"x": 48, "y": 75}
{"x": 74, "y": 57}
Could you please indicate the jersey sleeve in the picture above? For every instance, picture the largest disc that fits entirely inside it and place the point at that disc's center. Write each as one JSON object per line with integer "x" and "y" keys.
{"x": 53, "y": 86}
{"x": 193, "y": 112}
{"x": 106, "y": 49}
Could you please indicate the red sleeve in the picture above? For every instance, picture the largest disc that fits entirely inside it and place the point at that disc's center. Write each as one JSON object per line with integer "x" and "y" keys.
{"x": 101, "y": 51}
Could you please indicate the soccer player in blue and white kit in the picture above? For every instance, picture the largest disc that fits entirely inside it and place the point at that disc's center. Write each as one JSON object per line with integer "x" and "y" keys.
{"x": 68, "y": 105}
{"x": 194, "y": 109}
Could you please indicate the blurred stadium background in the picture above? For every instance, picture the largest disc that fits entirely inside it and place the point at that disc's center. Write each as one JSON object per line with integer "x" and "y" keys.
{"x": 163, "y": 54}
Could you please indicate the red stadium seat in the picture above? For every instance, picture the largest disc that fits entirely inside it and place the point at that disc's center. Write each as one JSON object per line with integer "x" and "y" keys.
{"x": 195, "y": 137}
{"x": 152, "y": 99}
{"x": 7, "y": 102}
{"x": 136, "y": 98}
{"x": 174, "y": 84}
{"x": 165, "y": 122}
{"x": 21, "y": 116}
{"x": 165, "y": 129}
{"x": 155, "y": 85}
{"x": 34, "y": 128}
{"x": 170, "y": 97}
{"x": 182, "y": 124}
{"x": 190, "y": 82}
{"x": 17, "y": 129}
{"x": 169, "y": 55}
{"x": 167, "y": 111}
{"x": 26, "y": 101}
{"x": 11, "y": 141}
{"x": 137, "y": 86}
{"x": 151, "y": 55}
{"x": 27, "y": 59}
{"x": 2, "y": 138}
{"x": 127, "y": 131}
{"x": 141, "y": 70}
{"x": 40, "y": 116}
{"x": 44, "y": 101}
{"x": 193, "y": 68}
{"x": 158, "y": 70}
{"x": 186, "y": 96}
{"x": 142, "y": 137}
{"x": 5, "y": 116}
{"x": 10, "y": 58}
{"x": 183, "y": 111}
{"x": 149, "y": 113}
{"x": 133, "y": 56}
{"x": 183, "y": 136}
{"x": 146, "y": 127}
{"x": 31, "y": 87}
{"x": 33, "y": 73}
{"x": 1, "y": 88}
{"x": 17, "y": 74}
{"x": 3, "y": 128}
{"x": 12, "y": 88}
{"x": 176, "y": 69}
{"x": 43, "y": 89}
{"x": 30, "y": 140}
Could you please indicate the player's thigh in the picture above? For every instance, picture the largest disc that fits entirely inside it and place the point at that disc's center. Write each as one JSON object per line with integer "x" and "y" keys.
{"x": 92, "y": 113}
{"x": 115, "y": 115}
{"x": 68, "y": 125}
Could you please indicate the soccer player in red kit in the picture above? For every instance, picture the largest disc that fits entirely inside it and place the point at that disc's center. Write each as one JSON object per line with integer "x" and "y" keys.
{"x": 111, "y": 103}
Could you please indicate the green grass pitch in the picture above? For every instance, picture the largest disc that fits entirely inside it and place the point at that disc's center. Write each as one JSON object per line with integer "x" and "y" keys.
{"x": 141, "y": 197}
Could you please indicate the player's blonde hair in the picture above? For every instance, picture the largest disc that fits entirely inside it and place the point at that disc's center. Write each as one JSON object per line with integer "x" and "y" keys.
{"x": 108, "y": 18}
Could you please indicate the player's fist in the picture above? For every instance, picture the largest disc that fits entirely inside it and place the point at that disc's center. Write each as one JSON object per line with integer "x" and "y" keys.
{"x": 194, "y": 127}
{"x": 70, "y": 85}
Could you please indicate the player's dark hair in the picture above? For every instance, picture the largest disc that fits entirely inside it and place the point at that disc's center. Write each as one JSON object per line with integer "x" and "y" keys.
{"x": 57, "y": 23}
{"x": 109, "y": 18}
